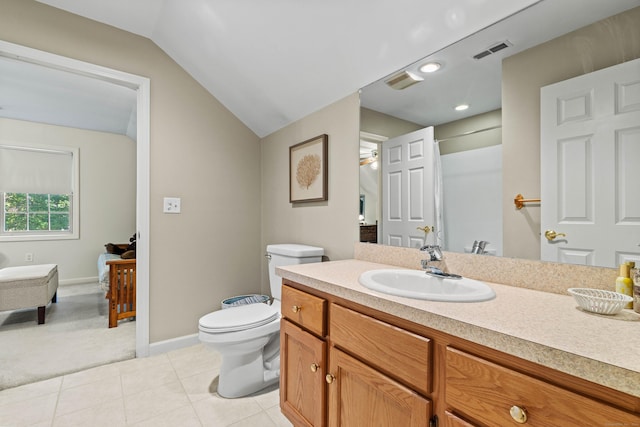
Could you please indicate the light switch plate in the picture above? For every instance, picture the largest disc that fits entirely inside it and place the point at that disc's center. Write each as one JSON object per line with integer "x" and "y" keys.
{"x": 171, "y": 205}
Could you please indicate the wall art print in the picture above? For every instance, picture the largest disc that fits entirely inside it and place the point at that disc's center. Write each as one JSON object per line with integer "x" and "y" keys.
{"x": 308, "y": 170}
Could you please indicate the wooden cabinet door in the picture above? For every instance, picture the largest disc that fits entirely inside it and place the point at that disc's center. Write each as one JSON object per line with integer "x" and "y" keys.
{"x": 360, "y": 396}
{"x": 451, "y": 420}
{"x": 302, "y": 376}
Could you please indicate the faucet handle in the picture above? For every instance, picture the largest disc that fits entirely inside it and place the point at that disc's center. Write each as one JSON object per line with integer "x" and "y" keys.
{"x": 479, "y": 247}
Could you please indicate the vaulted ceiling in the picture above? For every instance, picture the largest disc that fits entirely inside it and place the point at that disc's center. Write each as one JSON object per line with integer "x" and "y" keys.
{"x": 273, "y": 62}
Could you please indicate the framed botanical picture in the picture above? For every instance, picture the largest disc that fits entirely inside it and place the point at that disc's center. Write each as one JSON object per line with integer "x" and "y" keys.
{"x": 308, "y": 170}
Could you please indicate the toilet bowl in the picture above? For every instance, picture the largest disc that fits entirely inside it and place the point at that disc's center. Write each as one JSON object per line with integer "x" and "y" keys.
{"x": 248, "y": 336}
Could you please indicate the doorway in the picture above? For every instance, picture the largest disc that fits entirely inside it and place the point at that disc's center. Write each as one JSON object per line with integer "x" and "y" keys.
{"x": 142, "y": 87}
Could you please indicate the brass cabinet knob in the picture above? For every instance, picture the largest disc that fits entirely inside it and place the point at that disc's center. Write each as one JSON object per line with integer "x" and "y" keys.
{"x": 329, "y": 378}
{"x": 314, "y": 367}
{"x": 551, "y": 234}
{"x": 518, "y": 414}
{"x": 296, "y": 308}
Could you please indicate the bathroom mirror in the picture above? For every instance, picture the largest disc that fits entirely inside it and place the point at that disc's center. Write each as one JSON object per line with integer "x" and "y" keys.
{"x": 482, "y": 71}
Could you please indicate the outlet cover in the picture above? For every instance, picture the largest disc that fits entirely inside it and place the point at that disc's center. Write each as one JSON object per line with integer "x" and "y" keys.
{"x": 171, "y": 205}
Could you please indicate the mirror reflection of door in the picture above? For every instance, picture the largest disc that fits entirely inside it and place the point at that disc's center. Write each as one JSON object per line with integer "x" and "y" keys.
{"x": 590, "y": 162}
{"x": 407, "y": 188}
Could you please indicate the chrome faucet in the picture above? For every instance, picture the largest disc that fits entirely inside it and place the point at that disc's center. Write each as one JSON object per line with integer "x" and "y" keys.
{"x": 478, "y": 247}
{"x": 435, "y": 254}
{"x": 434, "y": 251}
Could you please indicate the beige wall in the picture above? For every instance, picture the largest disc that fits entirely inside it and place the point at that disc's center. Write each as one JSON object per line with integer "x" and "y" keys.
{"x": 385, "y": 125}
{"x": 199, "y": 152}
{"x": 332, "y": 225}
{"x": 603, "y": 44}
{"x": 450, "y": 133}
{"x": 107, "y": 198}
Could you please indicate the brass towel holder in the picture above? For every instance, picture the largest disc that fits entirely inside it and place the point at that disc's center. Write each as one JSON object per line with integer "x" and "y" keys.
{"x": 519, "y": 201}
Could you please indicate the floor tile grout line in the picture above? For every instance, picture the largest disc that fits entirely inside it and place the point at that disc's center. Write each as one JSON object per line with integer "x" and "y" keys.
{"x": 55, "y": 409}
{"x": 178, "y": 362}
{"x": 171, "y": 361}
{"x": 189, "y": 403}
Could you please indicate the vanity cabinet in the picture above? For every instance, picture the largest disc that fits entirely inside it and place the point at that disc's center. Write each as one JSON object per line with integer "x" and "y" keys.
{"x": 398, "y": 353}
{"x": 360, "y": 395}
{"x": 303, "y": 358}
{"x": 302, "y": 376}
{"x": 490, "y": 394}
{"x": 451, "y": 420}
{"x": 375, "y": 373}
{"x": 376, "y": 383}
{"x": 345, "y": 364}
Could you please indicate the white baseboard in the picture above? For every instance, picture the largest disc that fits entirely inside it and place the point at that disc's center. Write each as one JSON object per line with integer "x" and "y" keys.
{"x": 78, "y": 281}
{"x": 173, "y": 344}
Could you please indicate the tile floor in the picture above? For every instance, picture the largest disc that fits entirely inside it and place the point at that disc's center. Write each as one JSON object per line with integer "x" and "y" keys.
{"x": 172, "y": 389}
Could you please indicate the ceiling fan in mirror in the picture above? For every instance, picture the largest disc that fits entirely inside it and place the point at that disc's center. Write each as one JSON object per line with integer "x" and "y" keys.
{"x": 369, "y": 159}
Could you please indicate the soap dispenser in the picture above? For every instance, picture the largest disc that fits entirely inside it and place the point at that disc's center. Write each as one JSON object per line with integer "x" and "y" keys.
{"x": 624, "y": 284}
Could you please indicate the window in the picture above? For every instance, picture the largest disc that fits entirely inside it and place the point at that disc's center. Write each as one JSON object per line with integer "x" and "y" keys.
{"x": 37, "y": 188}
{"x": 26, "y": 213}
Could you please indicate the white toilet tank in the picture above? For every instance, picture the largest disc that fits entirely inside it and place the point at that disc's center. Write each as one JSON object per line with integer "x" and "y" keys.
{"x": 288, "y": 254}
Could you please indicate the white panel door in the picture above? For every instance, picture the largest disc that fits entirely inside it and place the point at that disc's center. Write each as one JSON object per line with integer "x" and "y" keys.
{"x": 407, "y": 188}
{"x": 590, "y": 167}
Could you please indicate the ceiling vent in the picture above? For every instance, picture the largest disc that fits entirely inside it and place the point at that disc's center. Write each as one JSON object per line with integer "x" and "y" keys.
{"x": 493, "y": 49}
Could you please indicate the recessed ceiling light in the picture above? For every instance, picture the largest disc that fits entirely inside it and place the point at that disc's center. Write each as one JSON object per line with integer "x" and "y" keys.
{"x": 430, "y": 67}
{"x": 461, "y": 107}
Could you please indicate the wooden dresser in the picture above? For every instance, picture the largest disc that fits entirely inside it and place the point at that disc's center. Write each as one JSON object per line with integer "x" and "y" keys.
{"x": 369, "y": 233}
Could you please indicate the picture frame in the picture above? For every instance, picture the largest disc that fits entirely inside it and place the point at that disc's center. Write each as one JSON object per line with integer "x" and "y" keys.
{"x": 308, "y": 166}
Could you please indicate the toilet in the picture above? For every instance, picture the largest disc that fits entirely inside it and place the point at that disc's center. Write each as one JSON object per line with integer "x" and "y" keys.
{"x": 248, "y": 336}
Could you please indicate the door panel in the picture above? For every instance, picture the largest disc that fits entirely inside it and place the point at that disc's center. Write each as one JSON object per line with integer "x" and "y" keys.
{"x": 407, "y": 188}
{"x": 590, "y": 152}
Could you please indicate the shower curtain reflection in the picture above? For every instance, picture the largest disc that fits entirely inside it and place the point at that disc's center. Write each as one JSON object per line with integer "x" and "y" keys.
{"x": 438, "y": 198}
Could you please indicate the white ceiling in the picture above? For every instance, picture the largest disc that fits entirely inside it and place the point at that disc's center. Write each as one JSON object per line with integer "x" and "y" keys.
{"x": 270, "y": 63}
{"x": 41, "y": 94}
{"x": 463, "y": 79}
{"x": 273, "y": 62}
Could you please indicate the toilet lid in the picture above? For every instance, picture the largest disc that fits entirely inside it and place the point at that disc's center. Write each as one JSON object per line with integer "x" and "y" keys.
{"x": 238, "y": 318}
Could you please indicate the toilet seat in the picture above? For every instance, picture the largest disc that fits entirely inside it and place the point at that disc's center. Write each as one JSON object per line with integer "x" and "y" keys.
{"x": 238, "y": 318}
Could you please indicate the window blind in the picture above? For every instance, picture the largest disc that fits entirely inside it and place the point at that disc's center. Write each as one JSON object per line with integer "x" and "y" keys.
{"x": 37, "y": 171}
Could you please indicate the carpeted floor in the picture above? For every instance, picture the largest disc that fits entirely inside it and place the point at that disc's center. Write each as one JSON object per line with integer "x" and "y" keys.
{"x": 75, "y": 337}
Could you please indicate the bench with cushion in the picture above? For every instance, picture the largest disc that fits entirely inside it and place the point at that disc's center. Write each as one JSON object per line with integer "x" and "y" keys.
{"x": 28, "y": 286}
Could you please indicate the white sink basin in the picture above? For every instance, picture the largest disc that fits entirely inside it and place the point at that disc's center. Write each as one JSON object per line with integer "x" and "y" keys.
{"x": 417, "y": 284}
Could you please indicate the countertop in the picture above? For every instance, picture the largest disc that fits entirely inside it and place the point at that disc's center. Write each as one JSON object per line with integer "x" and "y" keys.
{"x": 542, "y": 327}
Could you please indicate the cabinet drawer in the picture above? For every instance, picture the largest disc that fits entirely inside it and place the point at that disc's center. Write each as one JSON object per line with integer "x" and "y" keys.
{"x": 486, "y": 392}
{"x": 402, "y": 355}
{"x": 304, "y": 309}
